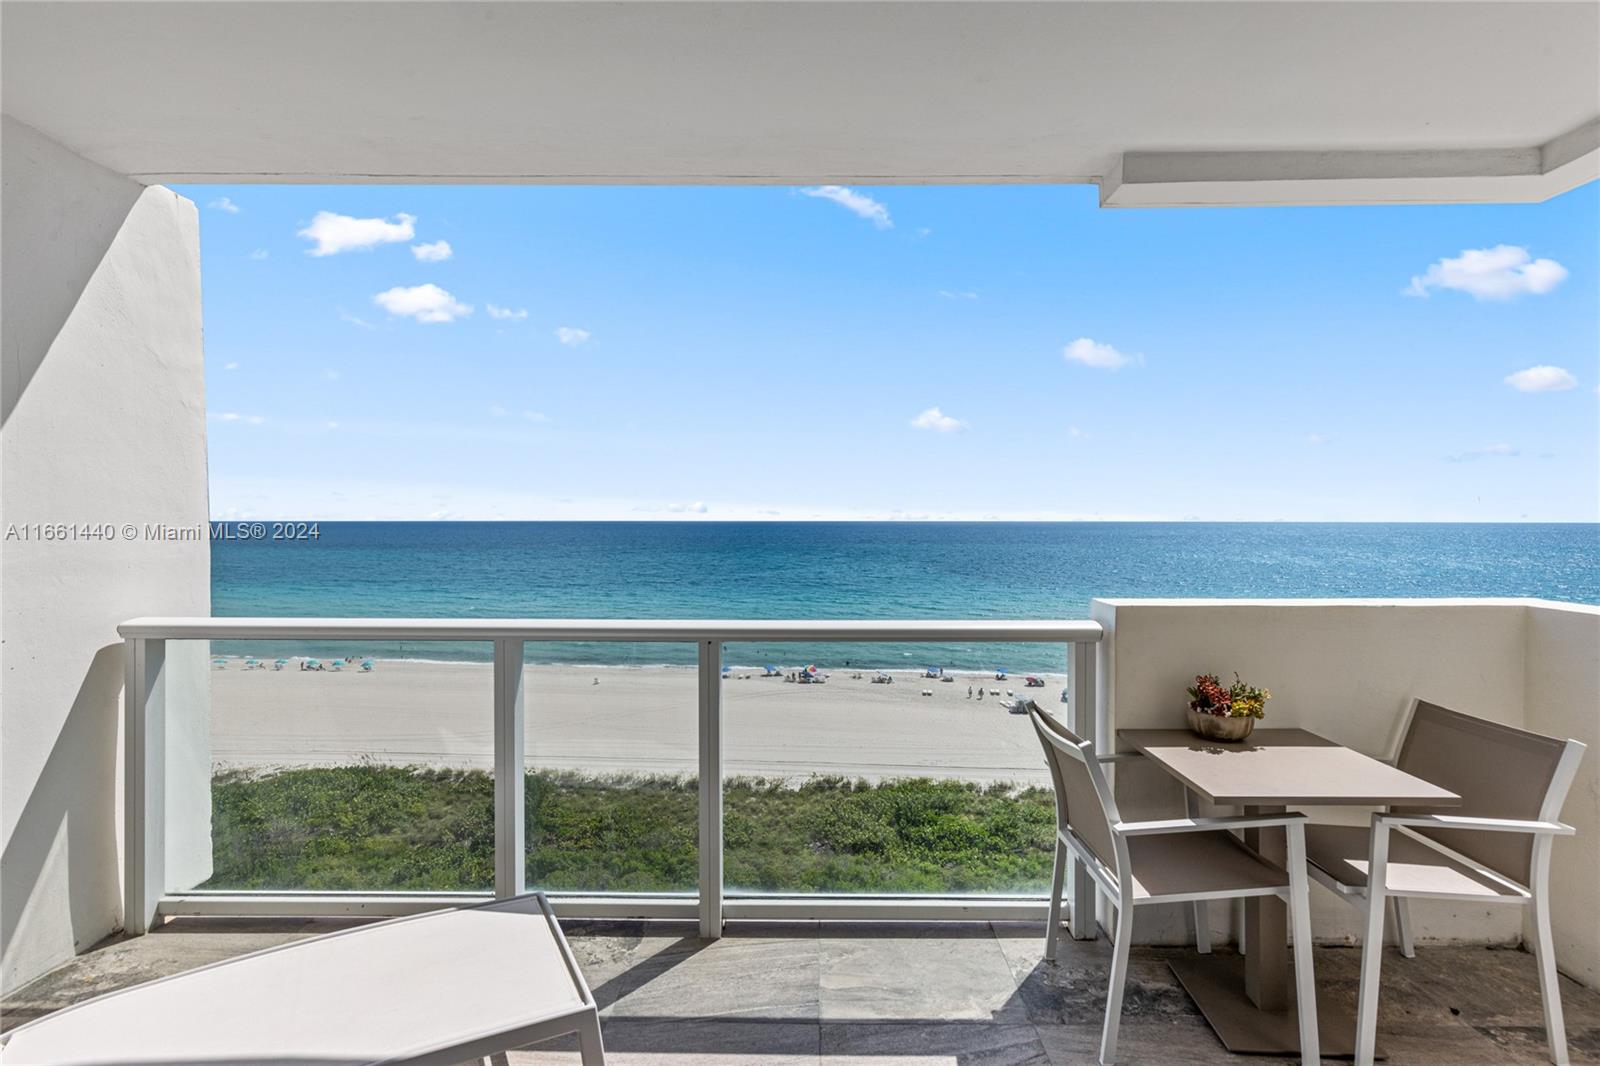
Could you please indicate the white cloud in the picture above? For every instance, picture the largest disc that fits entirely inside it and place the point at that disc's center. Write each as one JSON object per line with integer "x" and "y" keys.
{"x": 354, "y": 320}
{"x": 425, "y": 303}
{"x": 497, "y": 411}
{"x": 571, "y": 336}
{"x": 856, "y": 203}
{"x": 698, "y": 507}
{"x": 1488, "y": 451}
{"x": 1499, "y": 273}
{"x": 234, "y": 416}
{"x": 1316, "y": 440}
{"x": 259, "y": 254}
{"x": 950, "y": 294}
{"x": 341, "y": 233}
{"x": 330, "y": 425}
{"x": 1542, "y": 379}
{"x": 1100, "y": 356}
{"x": 535, "y": 416}
{"x": 507, "y": 313}
{"x": 230, "y": 366}
{"x": 222, "y": 203}
{"x": 437, "y": 252}
{"x": 938, "y": 421}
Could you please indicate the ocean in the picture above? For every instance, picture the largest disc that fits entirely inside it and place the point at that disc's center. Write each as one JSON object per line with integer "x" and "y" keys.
{"x": 829, "y": 570}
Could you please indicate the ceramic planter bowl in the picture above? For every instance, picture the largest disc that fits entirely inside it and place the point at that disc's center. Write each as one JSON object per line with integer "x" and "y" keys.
{"x": 1213, "y": 728}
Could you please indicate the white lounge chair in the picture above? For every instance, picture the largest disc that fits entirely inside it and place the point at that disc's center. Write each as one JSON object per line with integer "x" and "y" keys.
{"x": 435, "y": 989}
{"x": 1494, "y": 848}
{"x": 1176, "y": 861}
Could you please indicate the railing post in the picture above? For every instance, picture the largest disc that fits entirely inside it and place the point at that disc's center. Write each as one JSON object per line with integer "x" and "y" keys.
{"x": 710, "y": 789}
{"x": 144, "y": 807}
{"x": 510, "y": 784}
{"x": 1081, "y": 720}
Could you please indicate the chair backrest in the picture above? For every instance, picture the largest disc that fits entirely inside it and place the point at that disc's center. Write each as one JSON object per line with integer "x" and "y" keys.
{"x": 1498, "y": 771}
{"x": 1084, "y": 803}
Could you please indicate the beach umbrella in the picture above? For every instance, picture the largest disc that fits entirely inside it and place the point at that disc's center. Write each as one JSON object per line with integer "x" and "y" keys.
{"x": 313, "y": 662}
{"x": 280, "y": 662}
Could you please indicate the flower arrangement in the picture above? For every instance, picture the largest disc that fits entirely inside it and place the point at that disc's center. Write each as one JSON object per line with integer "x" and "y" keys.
{"x": 1238, "y": 700}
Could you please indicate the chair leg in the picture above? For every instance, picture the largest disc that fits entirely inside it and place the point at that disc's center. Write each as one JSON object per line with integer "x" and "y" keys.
{"x": 1052, "y": 931}
{"x": 1239, "y": 924}
{"x": 1305, "y": 982}
{"x": 1372, "y": 947}
{"x": 1119, "y": 978}
{"x": 1200, "y": 910}
{"x": 1402, "y": 926}
{"x": 590, "y": 1049}
{"x": 1544, "y": 953}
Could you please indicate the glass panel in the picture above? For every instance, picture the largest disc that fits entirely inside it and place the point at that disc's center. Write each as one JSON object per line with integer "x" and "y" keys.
{"x": 847, "y": 770}
{"x": 336, "y": 766}
{"x": 613, "y": 765}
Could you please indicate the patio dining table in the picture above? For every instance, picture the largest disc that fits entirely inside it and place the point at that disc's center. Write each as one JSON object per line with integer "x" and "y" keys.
{"x": 1249, "y": 1002}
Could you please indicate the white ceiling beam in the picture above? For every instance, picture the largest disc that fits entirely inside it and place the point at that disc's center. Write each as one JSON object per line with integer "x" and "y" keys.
{"x": 1476, "y": 175}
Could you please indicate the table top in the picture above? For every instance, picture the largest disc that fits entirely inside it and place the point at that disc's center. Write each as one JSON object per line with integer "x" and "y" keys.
{"x": 1282, "y": 767}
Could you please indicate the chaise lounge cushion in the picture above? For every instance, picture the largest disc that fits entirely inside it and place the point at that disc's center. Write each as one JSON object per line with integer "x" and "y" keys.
{"x": 399, "y": 991}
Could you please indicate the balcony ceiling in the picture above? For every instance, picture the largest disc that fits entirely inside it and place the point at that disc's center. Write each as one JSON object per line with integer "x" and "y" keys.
{"x": 1192, "y": 102}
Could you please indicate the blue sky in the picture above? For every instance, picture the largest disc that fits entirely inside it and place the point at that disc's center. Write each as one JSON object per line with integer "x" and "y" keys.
{"x": 894, "y": 352}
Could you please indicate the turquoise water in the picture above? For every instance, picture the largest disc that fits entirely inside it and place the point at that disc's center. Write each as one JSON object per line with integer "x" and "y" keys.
{"x": 857, "y": 570}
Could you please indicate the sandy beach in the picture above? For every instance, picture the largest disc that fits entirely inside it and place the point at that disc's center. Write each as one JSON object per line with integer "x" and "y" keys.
{"x": 634, "y": 720}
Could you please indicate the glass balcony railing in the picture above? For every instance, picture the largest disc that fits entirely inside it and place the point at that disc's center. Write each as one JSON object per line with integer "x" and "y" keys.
{"x": 644, "y": 768}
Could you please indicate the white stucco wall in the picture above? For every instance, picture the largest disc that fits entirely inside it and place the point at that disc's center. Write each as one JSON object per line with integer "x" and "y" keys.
{"x": 103, "y": 422}
{"x": 1347, "y": 671}
{"x": 1562, "y": 698}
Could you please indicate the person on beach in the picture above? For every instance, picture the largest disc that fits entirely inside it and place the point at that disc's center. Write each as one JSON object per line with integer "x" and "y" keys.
{"x": 969, "y": 692}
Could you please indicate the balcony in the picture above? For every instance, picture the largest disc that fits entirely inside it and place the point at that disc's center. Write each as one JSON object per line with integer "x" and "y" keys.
{"x": 950, "y": 994}
{"x": 710, "y": 966}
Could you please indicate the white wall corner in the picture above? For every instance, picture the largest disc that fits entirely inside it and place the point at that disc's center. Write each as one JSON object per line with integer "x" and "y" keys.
{"x": 103, "y": 422}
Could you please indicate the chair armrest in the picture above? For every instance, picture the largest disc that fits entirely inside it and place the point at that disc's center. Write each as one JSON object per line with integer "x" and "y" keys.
{"x": 1460, "y": 821}
{"x": 1206, "y": 825}
{"x": 1119, "y": 756}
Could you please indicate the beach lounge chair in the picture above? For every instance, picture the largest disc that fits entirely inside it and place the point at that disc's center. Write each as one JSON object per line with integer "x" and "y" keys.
{"x": 1493, "y": 848}
{"x": 1173, "y": 861}
{"x": 434, "y": 989}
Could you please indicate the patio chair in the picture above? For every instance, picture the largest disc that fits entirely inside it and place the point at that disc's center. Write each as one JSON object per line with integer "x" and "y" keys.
{"x": 1175, "y": 861}
{"x": 434, "y": 989}
{"x": 1493, "y": 848}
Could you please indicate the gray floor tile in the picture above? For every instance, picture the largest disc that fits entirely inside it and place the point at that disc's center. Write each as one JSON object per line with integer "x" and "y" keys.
{"x": 633, "y": 1042}
{"x": 939, "y": 1044}
{"x": 1072, "y": 989}
{"x": 1148, "y": 1042}
{"x": 916, "y": 973}
{"x": 734, "y": 977}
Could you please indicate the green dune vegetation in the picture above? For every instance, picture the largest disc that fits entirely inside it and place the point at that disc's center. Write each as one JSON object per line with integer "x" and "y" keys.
{"x": 375, "y": 827}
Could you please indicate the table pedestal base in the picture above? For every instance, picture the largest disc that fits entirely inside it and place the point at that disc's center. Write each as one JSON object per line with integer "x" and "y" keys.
{"x": 1216, "y": 984}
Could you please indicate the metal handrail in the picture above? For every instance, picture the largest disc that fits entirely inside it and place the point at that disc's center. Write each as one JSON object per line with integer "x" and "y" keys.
{"x": 619, "y": 629}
